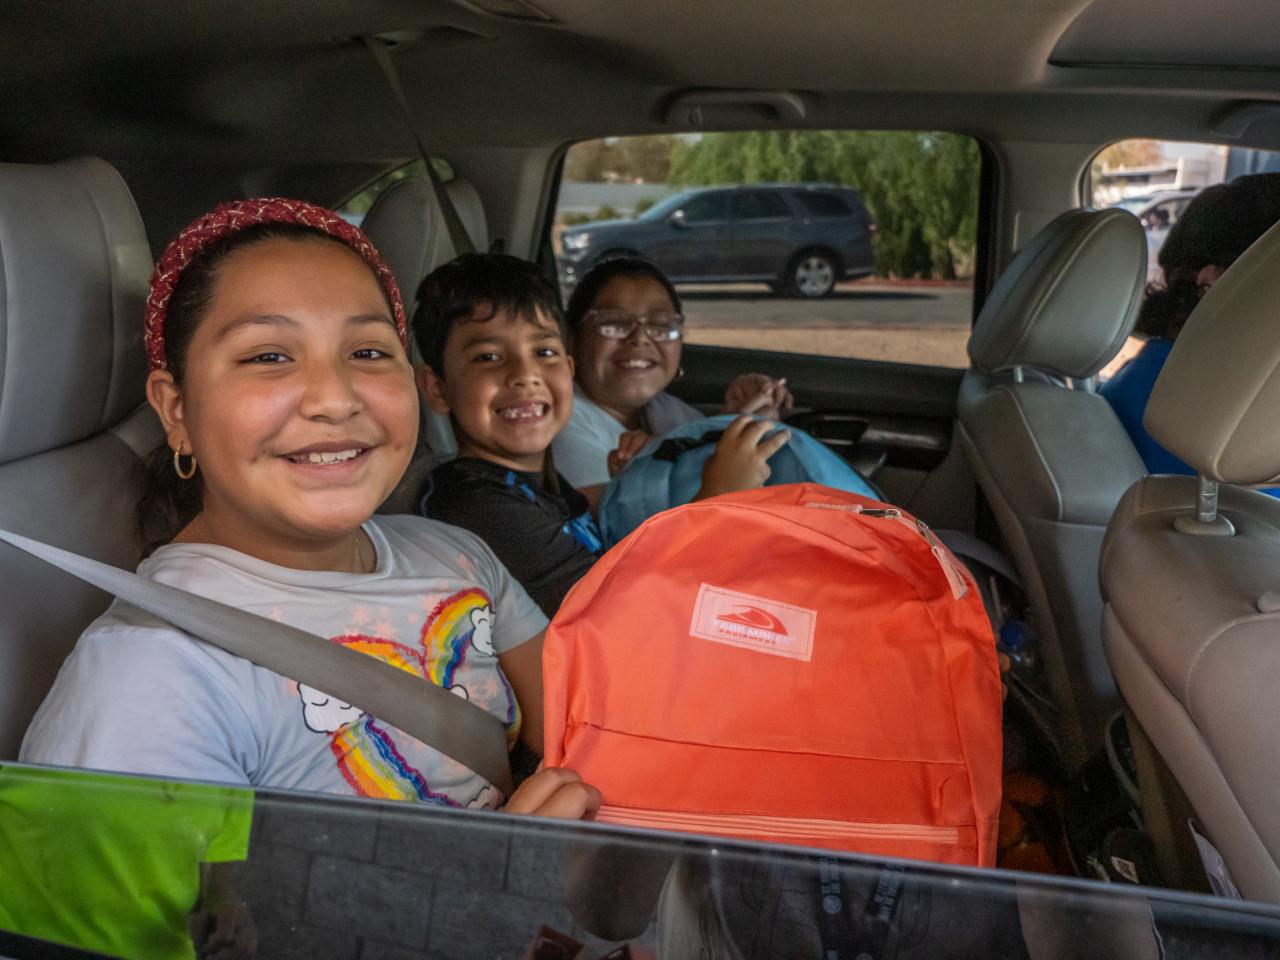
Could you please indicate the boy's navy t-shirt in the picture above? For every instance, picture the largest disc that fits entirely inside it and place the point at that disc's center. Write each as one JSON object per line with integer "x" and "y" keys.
{"x": 546, "y": 538}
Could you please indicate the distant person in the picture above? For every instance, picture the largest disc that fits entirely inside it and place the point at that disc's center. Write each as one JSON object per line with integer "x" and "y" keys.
{"x": 626, "y": 328}
{"x": 1218, "y": 225}
{"x": 493, "y": 338}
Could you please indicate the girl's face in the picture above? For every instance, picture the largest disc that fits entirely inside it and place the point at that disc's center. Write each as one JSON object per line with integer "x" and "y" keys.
{"x": 624, "y": 375}
{"x": 298, "y": 399}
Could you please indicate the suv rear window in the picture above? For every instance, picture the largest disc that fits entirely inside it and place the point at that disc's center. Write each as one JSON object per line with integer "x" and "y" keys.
{"x": 822, "y": 204}
{"x": 843, "y": 243}
{"x": 760, "y": 205}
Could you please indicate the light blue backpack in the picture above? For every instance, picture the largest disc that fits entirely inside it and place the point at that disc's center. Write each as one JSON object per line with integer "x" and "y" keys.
{"x": 668, "y": 472}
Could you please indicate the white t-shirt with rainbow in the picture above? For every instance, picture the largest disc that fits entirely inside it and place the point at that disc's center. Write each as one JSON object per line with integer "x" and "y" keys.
{"x": 139, "y": 696}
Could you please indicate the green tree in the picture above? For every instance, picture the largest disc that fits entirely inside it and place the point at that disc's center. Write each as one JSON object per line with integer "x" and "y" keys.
{"x": 921, "y": 188}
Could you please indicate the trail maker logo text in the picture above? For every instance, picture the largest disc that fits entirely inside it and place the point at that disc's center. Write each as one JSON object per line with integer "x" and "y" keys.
{"x": 754, "y": 623}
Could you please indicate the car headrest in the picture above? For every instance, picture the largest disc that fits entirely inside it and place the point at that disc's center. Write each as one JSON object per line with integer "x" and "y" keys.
{"x": 74, "y": 268}
{"x": 1217, "y": 400}
{"x": 406, "y": 226}
{"x": 1067, "y": 301}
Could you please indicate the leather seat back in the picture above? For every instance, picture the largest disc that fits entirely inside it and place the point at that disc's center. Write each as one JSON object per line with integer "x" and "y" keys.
{"x": 407, "y": 227}
{"x": 74, "y": 266}
{"x": 1048, "y": 452}
{"x": 1192, "y": 620}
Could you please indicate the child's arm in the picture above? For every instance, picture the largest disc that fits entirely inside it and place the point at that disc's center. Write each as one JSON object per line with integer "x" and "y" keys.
{"x": 522, "y": 666}
{"x": 759, "y": 394}
{"x": 740, "y": 461}
{"x": 629, "y": 444}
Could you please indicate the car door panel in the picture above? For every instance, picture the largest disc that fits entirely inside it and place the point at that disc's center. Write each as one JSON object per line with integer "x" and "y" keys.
{"x": 899, "y": 417}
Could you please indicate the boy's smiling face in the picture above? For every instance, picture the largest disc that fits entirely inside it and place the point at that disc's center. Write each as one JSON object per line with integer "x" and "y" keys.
{"x": 508, "y": 383}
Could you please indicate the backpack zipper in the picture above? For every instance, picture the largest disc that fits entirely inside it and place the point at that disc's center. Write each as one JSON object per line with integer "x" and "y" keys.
{"x": 783, "y": 828}
{"x": 956, "y": 578}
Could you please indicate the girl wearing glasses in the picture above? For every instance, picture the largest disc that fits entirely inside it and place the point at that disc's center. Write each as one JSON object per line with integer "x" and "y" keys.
{"x": 627, "y": 331}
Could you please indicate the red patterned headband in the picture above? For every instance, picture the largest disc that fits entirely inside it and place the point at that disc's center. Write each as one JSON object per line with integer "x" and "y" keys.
{"x": 230, "y": 218}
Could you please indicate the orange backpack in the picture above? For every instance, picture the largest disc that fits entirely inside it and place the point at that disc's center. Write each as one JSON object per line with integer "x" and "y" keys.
{"x": 791, "y": 664}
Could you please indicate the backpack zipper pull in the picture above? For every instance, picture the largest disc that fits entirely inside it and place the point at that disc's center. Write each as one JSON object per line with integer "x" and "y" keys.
{"x": 956, "y": 578}
{"x": 947, "y": 560}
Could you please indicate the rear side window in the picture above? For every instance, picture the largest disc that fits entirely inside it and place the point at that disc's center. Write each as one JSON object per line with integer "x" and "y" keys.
{"x": 759, "y": 205}
{"x": 817, "y": 204}
{"x": 840, "y": 243}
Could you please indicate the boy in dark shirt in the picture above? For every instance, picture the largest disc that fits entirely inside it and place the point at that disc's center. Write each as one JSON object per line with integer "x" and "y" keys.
{"x": 493, "y": 338}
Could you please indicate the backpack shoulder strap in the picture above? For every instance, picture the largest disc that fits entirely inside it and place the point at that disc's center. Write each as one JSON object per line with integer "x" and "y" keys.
{"x": 457, "y": 728}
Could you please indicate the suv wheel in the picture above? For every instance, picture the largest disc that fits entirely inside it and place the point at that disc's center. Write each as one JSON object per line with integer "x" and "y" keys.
{"x": 812, "y": 274}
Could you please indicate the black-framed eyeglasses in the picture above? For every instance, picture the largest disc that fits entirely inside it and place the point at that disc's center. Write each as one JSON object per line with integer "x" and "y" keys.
{"x": 660, "y": 327}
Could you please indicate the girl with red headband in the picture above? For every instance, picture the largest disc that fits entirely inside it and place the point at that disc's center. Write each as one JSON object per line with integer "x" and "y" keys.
{"x": 277, "y": 344}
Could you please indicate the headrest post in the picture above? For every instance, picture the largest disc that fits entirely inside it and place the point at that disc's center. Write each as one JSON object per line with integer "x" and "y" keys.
{"x": 1206, "y": 522}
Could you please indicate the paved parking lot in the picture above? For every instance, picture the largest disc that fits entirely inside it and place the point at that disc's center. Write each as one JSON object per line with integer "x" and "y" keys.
{"x": 914, "y": 324}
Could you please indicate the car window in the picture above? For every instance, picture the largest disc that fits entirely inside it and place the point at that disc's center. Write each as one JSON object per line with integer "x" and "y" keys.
{"x": 819, "y": 204}
{"x": 759, "y": 205}
{"x": 166, "y": 868}
{"x": 874, "y": 257}
{"x": 705, "y": 207}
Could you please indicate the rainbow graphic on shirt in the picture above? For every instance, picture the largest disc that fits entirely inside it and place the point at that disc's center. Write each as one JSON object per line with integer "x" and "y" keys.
{"x": 449, "y": 631}
{"x": 367, "y": 756}
{"x": 366, "y": 752}
{"x": 458, "y": 624}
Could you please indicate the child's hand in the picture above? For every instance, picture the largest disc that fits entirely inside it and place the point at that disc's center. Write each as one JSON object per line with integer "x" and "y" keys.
{"x": 758, "y": 394}
{"x": 555, "y": 792}
{"x": 629, "y": 444}
{"x": 741, "y": 458}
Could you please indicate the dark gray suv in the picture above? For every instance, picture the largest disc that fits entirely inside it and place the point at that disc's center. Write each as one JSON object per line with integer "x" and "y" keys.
{"x": 798, "y": 238}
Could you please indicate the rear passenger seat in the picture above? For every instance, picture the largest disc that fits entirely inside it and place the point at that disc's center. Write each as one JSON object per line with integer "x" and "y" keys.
{"x": 407, "y": 227}
{"x": 74, "y": 266}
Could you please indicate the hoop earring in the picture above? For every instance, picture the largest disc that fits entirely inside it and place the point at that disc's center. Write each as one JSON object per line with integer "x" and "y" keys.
{"x": 679, "y": 374}
{"x": 177, "y": 465}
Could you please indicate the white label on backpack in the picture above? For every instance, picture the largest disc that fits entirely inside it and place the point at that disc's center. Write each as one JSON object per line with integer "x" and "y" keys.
{"x": 756, "y": 623}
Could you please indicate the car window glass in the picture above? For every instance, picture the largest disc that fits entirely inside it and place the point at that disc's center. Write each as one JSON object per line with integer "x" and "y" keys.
{"x": 705, "y": 207}
{"x": 817, "y": 204}
{"x": 759, "y": 205}
{"x": 874, "y": 257}
{"x": 129, "y": 866}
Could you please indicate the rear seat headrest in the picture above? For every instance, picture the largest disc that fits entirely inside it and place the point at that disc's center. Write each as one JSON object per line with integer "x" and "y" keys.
{"x": 1068, "y": 300}
{"x": 406, "y": 226}
{"x": 74, "y": 268}
{"x": 1216, "y": 403}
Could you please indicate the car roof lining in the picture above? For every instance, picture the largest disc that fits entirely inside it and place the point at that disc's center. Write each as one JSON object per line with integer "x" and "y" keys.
{"x": 257, "y": 82}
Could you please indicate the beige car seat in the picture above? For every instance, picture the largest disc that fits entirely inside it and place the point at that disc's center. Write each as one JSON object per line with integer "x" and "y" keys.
{"x": 1049, "y": 454}
{"x": 1192, "y": 619}
{"x": 407, "y": 227}
{"x": 74, "y": 265}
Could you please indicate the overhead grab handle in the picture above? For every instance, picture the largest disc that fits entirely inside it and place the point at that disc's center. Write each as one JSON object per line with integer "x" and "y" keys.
{"x": 1234, "y": 122}
{"x": 701, "y": 108}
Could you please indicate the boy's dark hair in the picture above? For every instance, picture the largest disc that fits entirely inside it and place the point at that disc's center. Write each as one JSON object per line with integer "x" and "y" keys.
{"x": 602, "y": 274}
{"x": 168, "y": 503}
{"x": 478, "y": 286}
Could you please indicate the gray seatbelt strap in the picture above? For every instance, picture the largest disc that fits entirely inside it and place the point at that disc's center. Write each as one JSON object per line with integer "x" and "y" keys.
{"x": 453, "y": 223}
{"x": 452, "y": 725}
